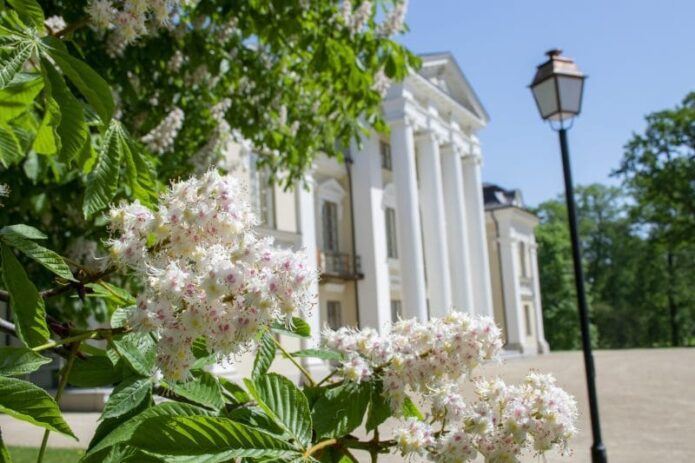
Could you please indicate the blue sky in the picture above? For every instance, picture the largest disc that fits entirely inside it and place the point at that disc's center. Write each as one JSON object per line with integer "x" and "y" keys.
{"x": 639, "y": 55}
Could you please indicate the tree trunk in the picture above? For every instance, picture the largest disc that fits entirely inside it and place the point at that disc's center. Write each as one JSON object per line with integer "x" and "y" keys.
{"x": 673, "y": 308}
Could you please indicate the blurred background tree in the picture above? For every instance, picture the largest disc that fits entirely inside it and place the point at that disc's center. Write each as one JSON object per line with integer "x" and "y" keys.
{"x": 638, "y": 244}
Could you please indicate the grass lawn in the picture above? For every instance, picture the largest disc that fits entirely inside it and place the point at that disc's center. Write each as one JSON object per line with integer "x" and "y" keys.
{"x": 29, "y": 454}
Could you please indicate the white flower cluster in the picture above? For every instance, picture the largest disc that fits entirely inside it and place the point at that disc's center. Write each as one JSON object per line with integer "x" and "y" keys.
{"x": 432, "y": 359}
{"x": 417, "y": 356}
{"x": 395, "y": 20}
{"x": 130, "y": 21}
{"x": 381, "y": 82}
{"x": 205, "y": 273}
{"x": 55, "y": 23}
{"x": 161, "y": 138}
{"x": 355, "y": 20}
{"x": 500, "y": 424}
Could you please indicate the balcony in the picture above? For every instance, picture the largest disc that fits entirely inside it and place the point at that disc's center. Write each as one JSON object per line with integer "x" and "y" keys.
{"x": 340, "y": 266}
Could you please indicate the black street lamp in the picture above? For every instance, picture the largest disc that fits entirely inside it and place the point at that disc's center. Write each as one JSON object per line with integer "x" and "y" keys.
{"x": 557, "y": 88}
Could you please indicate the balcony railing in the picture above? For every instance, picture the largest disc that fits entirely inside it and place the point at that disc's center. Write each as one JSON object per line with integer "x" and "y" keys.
{"x": 343, "y": 266}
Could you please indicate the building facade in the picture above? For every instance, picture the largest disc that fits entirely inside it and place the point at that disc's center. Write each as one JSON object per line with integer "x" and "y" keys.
{"x": 404, "y": 226}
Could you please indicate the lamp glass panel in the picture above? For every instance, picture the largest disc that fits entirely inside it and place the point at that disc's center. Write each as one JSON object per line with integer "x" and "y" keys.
{"x": 546, "y": 97}
{"x": 570, "y": 94}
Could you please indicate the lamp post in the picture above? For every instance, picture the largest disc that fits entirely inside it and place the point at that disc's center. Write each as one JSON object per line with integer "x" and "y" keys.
{"x": 557, "y": 88}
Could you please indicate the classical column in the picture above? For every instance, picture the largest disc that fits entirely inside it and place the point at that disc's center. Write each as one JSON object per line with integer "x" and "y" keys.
{"x": 413, "y": 292}
{"x": 457, "y": 231}
{"x": 543, "y": 346}
{"x": 516, "y": 331}
{"x": 370, "y": 235}
{"x": 434, "y": 224}
{"x": 307, "y": 226}
{"x": 480, "y": 265}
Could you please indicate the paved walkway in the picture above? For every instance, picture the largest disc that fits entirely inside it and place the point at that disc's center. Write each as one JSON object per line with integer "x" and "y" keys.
{"x": 647, "y": 400}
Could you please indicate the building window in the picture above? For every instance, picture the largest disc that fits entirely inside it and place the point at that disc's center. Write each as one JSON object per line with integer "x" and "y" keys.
{"x": 523, "y": 262}
{"x": 263, "y": 197}
{"x": 396, "y": 310}
{"x": 385, "y": 150}
{"x": 391, "y": 243}
{"x": 527, "y": 316}
{"x": 329, "y": 217}
{"x": 334, "y": 313}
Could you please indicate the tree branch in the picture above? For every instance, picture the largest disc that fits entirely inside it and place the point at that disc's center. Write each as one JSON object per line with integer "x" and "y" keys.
{"x": 73, "y": 285}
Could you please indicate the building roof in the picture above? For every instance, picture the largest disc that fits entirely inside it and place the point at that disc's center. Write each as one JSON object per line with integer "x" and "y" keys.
{"x": 495, "y": 197}
{"x": 442, "y": 70}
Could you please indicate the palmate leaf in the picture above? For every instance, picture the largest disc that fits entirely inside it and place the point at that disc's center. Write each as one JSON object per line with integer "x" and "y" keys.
{"x": 127, "y": 396}
{"x": 207, "y": 436}
{"x": 11, "y": 65}
{"x": 25, "y": 301}
{"x": 265, "y": 354}
{"x": 72, "y": 128}
{"x": 11, "y": 151}
{"x": 25, "y": 231}
{"x": 102, "y": 182}
{"x": 379, "y": 408}
{"x": 30, "y": 11}
{"x": 15, "y": 361}
{"x": 49, "y": 259}
{"x": 24, "y": 401}
{"x": 90, "y": 84}
{"x": 47, "y": 140}
{"x": 285, "y": 403}
{"x": 125, "y": 431}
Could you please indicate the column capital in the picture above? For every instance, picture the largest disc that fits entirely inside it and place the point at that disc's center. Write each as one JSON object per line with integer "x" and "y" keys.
{"x": 453, "y": 148}
{"x": 430, "y": 134}
{"x": 472, "y": 159}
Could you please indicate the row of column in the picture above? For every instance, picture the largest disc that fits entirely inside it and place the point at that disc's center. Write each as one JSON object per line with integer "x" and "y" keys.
{"x": 441, "y": 228}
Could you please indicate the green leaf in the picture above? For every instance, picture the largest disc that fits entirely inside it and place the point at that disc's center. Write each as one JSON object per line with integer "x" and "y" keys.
{"x": 16, "y": 361}
{"x": 72, "y": 129}
{"x": 140, "y": 173}
{"x": 102, "y": 182}
{"x": 323, "y": 354}
{"x": 11, "y": 151}
{"x": 4, "y": 454}
{"x": 204, "y": 436}
{"x": 49, "y": 259}
{"x": 299, "y": 328}
{"x": 95, "y": 371}
{"x": 18, "y": 97}
{"x": 203, "y": 389}
{"x": 411, "y": 410}
{"x": 125, "y": 431}
{"x": 139, "y": 351}
{"x": 92, "y": 86}
{"x": 265, "y": 354}
{"x": 379, "y": 408}
{"x": 47, "y": 140}
{"x": 233, "y": 393}
{"x": 30, "y": 11}
{"x": 25, "y": 301}
{"x": 108, "y": 425}
{"x": 120, "y": 316}
{"x": 12, "y": 64}
{"x": 285, "y": 403}
{"x": 25, "y": 231}
{"x": 127, "y": 396}
{"x": 24, "y": 401}
{"x": 340, "y": 410}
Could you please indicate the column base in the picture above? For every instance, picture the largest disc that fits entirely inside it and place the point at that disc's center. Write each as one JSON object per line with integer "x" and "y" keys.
{"x": 543, "y": 346}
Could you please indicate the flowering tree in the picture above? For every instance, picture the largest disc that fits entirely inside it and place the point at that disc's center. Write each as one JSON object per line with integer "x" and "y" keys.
{"x": 109, "y": 100}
